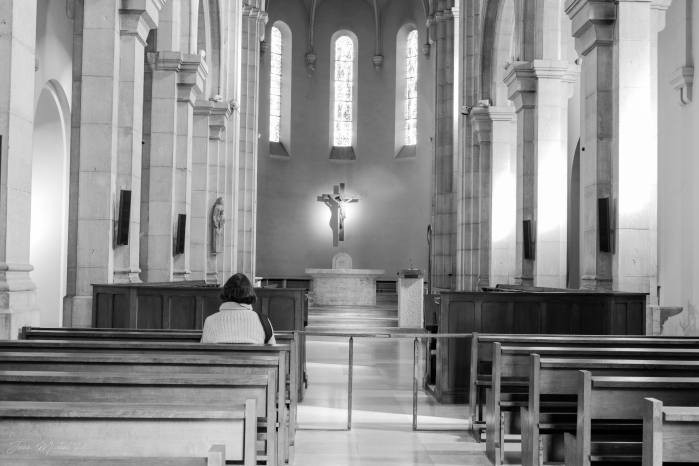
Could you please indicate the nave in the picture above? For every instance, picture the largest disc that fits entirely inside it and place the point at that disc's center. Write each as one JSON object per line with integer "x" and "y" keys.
{"x": 382, "y": 410}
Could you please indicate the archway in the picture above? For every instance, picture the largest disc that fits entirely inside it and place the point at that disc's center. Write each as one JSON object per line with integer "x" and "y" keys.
{"x": 49, "y": 212}
{"x": 574, "y": 222}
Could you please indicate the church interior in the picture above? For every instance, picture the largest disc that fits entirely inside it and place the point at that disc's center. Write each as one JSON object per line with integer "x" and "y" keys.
{"x": 473, "y": 226}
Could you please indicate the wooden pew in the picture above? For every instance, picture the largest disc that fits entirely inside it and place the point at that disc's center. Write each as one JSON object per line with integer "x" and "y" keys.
{"x": 515, "y": 372}
{"x": 211, "y": 389}
{"x": 193, "y": 336}
{"x": 607, "y": 400}
{"x": 669, "y": 433}
{"x": 482, "y": 357}
{"x": 551, "y": 378}
{"x": 125, "y": 363}
{"x": 61, "y": 433}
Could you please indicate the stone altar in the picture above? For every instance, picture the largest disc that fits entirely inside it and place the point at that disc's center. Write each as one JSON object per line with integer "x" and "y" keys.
{"x": 344, "y": 286}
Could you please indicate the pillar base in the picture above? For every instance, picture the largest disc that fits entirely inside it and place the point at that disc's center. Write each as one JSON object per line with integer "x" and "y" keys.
{"x": 212, "y": 278}
{"x": 180, "y": 276}
{"x": 588, "y": 282}
{"x": 127, "y": 276}
{"x": 17, "y": 300}
{"x": 77, "y": 311}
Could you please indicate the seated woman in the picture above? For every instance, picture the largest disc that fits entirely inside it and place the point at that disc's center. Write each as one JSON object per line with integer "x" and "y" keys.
{"x": 236, "y": 322}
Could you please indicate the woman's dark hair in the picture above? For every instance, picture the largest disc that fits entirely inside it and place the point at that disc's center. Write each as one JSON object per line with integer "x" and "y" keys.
{"x": 238, "y": 289}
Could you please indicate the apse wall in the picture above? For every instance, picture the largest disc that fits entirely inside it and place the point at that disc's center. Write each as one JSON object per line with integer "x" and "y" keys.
{"x": 678, "y": 172}
{"x": 387, "y": 228}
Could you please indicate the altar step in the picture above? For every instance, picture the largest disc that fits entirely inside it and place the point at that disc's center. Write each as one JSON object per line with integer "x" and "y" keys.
{"x": 386, "y": 298}
{"x": 345, "y": 317}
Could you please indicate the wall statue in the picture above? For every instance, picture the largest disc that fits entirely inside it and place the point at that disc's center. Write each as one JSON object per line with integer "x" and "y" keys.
{"x": 218, "y": 219}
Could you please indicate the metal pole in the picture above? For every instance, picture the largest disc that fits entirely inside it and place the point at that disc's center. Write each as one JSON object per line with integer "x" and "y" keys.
{"x": 349, "y": 384}
{"x": 416, "y": 352}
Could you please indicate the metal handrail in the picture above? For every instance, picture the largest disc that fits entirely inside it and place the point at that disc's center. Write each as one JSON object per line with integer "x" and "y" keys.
{"x": 416, "y": 357}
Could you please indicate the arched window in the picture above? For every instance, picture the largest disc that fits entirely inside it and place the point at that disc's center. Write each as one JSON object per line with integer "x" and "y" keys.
{"x": 411, "y": 89}
{"x": 407, "y": 51}
{"x": 280, "y": 90}
{"x": 344, "y": 77}
{"x": 343, "y": 101}
{"x": 275, "y": 91}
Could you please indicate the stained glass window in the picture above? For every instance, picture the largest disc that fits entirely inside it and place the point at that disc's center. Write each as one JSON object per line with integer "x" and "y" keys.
{"x": 275, "y": 92}
{"x": 344, "y": 77}
{"x": 411, "y": 90}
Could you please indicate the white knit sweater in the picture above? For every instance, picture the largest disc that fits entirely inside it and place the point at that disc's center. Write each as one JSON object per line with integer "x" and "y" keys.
{"x": 234, "y": 323}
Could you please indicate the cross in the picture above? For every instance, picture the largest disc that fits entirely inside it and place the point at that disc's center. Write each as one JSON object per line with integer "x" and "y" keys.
{"x": 339, "y": 198}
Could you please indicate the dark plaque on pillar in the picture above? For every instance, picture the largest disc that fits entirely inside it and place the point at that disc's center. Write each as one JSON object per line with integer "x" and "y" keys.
{"x": 124, "y": 218}
{"x": 604, "y": 224}
{"x": 181, "y": 230}
{"x": 527, "y": 239}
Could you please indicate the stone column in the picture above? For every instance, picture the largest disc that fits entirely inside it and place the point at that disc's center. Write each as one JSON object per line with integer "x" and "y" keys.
{"x": 444, "y": 237}
{"x": 657, "y": 24}
{"x": 93, "y": 165}
{"x": 217, "y": 176}
{"x": 135, "y": 23}
{"x": 201, "y": 204}
{"x": 17, "y": 291}
{"x": 536, "y": 88}
{"x": 614, "y": 39}
{"x": 190, "y": 82}
{"x": 157, "y": 249}
{"x": 253, "y": 28}
{"x": 497, "y": 206}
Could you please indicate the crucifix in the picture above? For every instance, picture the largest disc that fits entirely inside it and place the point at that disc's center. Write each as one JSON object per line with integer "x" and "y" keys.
{"x": 341, "y": 200}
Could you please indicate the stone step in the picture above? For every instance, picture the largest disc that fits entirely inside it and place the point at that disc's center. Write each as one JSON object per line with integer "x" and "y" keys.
{"x": 352, "y": 322}
{"x": 373, "y": 312}
{"x": 386, "y": 298}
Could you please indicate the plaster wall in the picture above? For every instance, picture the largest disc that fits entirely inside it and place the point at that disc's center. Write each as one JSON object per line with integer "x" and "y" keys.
{"x": 678, "y": 172}
{"x": 387, "y": 228}
{"x": 48, "y": 239}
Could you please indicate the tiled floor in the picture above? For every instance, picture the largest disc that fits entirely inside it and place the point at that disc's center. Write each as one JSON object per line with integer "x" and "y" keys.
{"x": 382, "y": 411}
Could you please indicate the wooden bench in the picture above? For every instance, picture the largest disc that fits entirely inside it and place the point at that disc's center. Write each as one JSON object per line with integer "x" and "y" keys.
{"x": 482, "y": 357}
{"x": 212, "y": 390}
{"x": 516, "y": 373}
{"x": 60, "y": 433}
{"x": 482, "y": 354}
{"x": 125, "y": 363}
{"x": 669, "y": 433}
{"x": 604, "y": 401}
{"x": 194, "y": 336}
{"x": 555, "y": 381}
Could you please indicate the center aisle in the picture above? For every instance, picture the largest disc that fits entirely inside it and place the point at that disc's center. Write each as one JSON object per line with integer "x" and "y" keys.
{"x": 382, "y": 411}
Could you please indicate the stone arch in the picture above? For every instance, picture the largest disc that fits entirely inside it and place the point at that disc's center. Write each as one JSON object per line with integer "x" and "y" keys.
{"x": 49, "y": 212}
{"x": 497, "y": 49}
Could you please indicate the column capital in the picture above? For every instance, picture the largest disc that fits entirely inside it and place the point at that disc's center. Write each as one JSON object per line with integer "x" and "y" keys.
{"x": 190, "y": 79}
{"x": 482, "y": 124}
{"x": 203, "y": 107}
{"x": 593, "y": 23}
{"x": 682, "y": 80}
{"x": 221, "y": 109}
{"x": 521, "y": 85}
{"x": 251, "y": 11}
{"x": 659, "y": 8}
{"x": 138, "y": 17}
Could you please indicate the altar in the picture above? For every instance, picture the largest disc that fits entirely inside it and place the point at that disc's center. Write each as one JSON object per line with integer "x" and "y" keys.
{"x": 344, "y": 286}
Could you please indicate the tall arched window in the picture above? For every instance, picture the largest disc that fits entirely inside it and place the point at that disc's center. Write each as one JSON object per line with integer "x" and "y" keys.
{"x": 411, "y": 89}
{"x": 280, "y": 90}
{"x": 275, "y": 91}
{"x": 344, "y": 81}
{"x": 407, "y": 50}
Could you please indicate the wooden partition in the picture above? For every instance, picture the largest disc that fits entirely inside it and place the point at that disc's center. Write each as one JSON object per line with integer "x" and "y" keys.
{"x": 186, "y": 305}
{"x": 524, "y": 312}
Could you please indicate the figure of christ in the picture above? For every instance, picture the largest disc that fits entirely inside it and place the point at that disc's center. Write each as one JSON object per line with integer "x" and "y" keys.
{"x": 341, "y": 201}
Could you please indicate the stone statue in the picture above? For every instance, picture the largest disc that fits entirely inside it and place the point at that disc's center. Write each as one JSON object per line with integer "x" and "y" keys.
{"x": 218, "y": 219}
